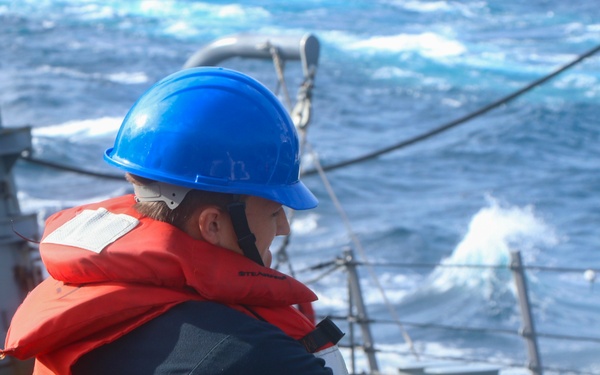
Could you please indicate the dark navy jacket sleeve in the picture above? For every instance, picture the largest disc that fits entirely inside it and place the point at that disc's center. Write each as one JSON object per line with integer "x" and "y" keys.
{"x": 202, "y": 338}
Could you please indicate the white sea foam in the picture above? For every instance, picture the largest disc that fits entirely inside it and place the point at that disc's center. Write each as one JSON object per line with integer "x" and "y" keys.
{"x": 218, "y": 11}
{"x": 128, "y": 78}
{"x": 494, "y": 232}
{"x": 391, "y": 357}
{"x": 428, "y": 44}
{"x": 426, "y": 6}
{"x": 496, "y": 56}
{"x": 80, "y": 129}
{"x": 306, "y": 224}
{"x": 91, "y": 12}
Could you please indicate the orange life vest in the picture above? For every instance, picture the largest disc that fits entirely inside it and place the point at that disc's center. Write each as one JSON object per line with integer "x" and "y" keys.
{"x": 98, "y": 293}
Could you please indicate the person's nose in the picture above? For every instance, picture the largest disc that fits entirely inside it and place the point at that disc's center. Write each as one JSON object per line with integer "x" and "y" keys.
{"x": 283, "y": 225}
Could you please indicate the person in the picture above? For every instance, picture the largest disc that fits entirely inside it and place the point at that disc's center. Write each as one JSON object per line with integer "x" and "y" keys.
{"x": 176, "y": 277}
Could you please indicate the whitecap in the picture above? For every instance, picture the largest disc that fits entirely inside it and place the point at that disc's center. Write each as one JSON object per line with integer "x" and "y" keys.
{"x": 128, "y": 78}
{"x": 428, "y": 44}
{"x": 80, "y": 128}
{"x": 493, "y": 233}
{"x": 305, "y": 224}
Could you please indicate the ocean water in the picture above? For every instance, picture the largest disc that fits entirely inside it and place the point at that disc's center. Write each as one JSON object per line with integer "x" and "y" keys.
{"x": 524, "y": 176}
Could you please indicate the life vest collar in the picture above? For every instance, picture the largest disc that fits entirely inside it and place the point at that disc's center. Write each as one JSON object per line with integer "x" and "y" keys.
{"x": 157, "y": 253}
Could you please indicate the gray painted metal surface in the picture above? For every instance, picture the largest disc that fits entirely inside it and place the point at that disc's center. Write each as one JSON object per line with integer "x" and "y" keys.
{"x": 304, "y": 48}
{"x": 16, "y": 269}
{"x": 528, "y": 328}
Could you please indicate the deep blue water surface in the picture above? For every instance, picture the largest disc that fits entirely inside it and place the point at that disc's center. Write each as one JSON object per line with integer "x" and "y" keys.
{"x": 525, "y": 176}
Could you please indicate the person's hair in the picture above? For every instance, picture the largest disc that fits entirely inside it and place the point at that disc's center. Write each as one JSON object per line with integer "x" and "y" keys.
{"x": 179, "y": 216}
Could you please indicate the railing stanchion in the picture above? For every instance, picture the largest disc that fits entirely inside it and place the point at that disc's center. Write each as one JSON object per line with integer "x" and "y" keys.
{"x": 351, "y": 320}
{"x": 528, "y": 329}
{"x": 362, "y": 317}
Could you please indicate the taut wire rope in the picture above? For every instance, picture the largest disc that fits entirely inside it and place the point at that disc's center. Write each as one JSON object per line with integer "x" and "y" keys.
{"x": 460, "y": 120}
{"x": 360, "y": 249}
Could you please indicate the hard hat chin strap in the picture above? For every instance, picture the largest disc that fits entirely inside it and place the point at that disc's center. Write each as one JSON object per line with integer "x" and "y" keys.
{"x": 173, "y": 195}
{"x": 246, "y": 239}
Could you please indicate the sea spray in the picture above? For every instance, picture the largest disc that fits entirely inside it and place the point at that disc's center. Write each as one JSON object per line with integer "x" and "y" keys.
{"x": 493, "y": 233}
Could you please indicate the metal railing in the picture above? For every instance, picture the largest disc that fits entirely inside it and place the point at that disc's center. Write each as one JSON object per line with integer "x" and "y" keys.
{"x": 358, "y": 315}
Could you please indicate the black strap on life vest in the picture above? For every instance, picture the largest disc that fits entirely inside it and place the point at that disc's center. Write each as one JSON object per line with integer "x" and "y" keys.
{"x": 325, "y": 333}
{"x": 246, "y": 239}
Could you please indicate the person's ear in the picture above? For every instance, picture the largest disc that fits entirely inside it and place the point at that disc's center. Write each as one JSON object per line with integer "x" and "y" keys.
{"x": 210, "y": 225}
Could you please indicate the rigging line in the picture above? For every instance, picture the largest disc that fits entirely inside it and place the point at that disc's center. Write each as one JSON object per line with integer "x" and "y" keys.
{"x": 562, "y": 370}
{"x": 375, "y": 153}
{"x": 329, "y": 271}
{"x": 457, "y": 265}
{"x": 497, "y": 362}
{"x": 460, "y": 120}
{"x": 318, "y": 266}
{"x": 300, "y": 115}
{"x": 492, "y": 362}
{"x": 282, "y": 255}
{"x": 496, "y": 266}
{"x": 432, "y": 265}
{"x": 437, "y": 326}
{"x": 477, "y": 329}
{"x": 568, "y": 337}
{"x": 358, "y": 245}
{"x": 278, "y": 63}
{"x": 64, "y": 167}
{"x": 459, "y": 360}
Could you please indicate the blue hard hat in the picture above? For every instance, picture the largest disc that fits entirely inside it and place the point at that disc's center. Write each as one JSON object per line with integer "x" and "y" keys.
{"x": 213, "y": 129}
